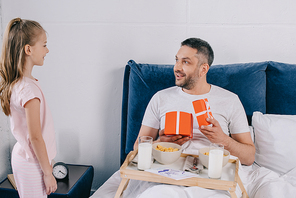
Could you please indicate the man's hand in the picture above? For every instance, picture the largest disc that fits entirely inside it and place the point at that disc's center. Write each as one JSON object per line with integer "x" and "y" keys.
{"x": 214, "y": 133}
{"x": 240, "y": 145}
{"x": 178, "y": 139}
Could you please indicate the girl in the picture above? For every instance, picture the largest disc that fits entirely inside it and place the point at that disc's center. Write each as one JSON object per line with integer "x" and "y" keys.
{"x": 24, "y": 45}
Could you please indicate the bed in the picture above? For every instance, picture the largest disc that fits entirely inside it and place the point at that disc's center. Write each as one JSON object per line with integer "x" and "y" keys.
{"x": 267, "y": 91}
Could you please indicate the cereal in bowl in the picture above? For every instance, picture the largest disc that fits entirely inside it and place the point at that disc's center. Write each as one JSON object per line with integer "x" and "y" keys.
{"x": 165, "y": 149}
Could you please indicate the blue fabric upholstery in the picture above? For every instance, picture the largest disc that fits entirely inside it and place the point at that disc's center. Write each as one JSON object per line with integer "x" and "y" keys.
{"x": 281, "y": 88}
{"x": 141, "y": 82}
{"x": 247, "y": 80}
{"x": 260, "y": 87}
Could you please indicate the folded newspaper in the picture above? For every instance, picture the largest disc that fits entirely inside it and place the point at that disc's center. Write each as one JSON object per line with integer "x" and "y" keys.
{"x": 171, "y": 173}
{"x": 188, "y": 170}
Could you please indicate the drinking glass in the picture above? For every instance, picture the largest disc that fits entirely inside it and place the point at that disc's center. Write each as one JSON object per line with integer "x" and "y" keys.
{"x": 215, "y": 161}
{"x": 144, "y": 152}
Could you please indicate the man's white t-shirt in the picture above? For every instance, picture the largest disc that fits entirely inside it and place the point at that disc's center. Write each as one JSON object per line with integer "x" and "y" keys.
{"x": 225, "y": 106}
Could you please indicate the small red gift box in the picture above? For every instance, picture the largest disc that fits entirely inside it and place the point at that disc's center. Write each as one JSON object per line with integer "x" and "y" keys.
{"x": 178, "y": 123}
{"x": 202, "y": 111}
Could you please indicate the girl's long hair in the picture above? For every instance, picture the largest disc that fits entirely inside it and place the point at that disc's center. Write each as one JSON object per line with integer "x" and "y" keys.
{"x": 18, "y": 33}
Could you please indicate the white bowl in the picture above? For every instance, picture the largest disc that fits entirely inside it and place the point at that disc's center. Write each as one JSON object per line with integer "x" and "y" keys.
{"x": 166, "y": 157}
{"x": 205, "y": 158}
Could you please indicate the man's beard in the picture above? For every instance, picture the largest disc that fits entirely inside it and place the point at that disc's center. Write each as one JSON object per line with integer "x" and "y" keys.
{"x": 187, "y": 84}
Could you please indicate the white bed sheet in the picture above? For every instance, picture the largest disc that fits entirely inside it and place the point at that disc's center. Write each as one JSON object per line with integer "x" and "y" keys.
{"x": 263, "y": 182}
{"x": 259, "y": 182}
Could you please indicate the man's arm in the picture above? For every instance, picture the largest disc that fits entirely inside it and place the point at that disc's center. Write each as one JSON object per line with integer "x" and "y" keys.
{"x": 239, "y": 145}
{"x": 146, "y": 131}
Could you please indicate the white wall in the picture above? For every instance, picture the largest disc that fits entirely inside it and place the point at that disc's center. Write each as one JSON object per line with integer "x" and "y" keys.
{"x": 91, "y": 41}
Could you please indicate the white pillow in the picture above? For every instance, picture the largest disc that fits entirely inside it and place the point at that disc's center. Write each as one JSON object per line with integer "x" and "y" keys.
{"x": 275, "y": 141}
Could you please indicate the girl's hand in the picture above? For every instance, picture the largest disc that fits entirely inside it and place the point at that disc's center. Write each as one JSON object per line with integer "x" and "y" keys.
{"x": 50, "y": 184}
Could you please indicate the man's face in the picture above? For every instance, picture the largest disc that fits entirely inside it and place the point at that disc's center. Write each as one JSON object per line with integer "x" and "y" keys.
{"x": 186, "y": 69}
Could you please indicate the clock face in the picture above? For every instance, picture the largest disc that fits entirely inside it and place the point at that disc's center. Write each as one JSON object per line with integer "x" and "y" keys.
{"x": 60, "y": 171}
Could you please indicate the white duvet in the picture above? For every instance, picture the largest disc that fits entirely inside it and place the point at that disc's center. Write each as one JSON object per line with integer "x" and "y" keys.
{"x": 259, "y": 182}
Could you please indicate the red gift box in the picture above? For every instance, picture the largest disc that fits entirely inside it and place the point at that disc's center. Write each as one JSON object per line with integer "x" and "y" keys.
{"x": 178, "y": 123}
{"x": 202, "y": 111}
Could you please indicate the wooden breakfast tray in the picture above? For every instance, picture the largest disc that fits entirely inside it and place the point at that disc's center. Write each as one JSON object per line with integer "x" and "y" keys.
{"x": 228, "y": 181}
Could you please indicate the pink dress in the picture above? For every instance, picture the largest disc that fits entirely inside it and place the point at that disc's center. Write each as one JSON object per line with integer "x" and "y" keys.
{"x": 26, "y": 169}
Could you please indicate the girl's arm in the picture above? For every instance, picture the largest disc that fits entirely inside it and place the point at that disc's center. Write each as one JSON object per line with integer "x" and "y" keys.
{"x": 32, "y": 109}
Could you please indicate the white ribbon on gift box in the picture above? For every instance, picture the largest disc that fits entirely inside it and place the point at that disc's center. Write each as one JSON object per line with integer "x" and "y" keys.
{"x": 178, "y": 123}
{"x": 205, "y": 111}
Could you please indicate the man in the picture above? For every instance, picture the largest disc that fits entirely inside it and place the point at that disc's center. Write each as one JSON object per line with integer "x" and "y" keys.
{"x": 192, "y": 64}
{"x": 229, "y": 123}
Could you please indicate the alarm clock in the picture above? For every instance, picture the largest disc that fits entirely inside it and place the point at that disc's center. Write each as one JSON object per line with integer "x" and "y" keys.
{"x": 60, "y": 171}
